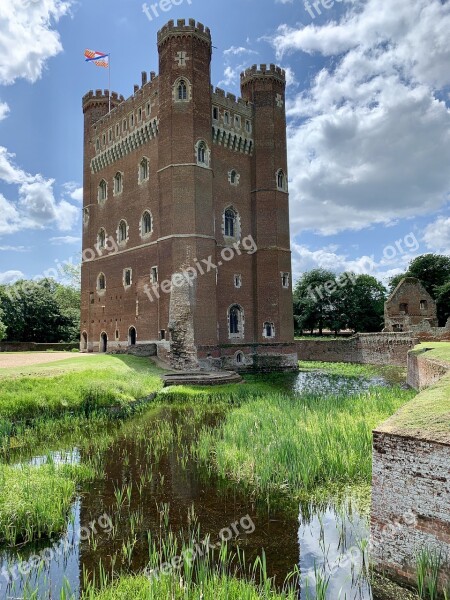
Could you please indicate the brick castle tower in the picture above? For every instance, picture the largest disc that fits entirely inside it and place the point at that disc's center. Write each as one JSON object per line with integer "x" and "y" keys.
{"x": 186, "y": 247}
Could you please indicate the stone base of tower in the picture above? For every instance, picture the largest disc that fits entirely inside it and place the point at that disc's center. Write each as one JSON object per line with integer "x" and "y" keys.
{"x": 249, "y": 358}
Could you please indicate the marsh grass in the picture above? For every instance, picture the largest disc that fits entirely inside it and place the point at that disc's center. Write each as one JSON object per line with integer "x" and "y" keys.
{"x": 391, "y": 373}
{"x": 294, "y": 445}
{"x": 35, "y": 500}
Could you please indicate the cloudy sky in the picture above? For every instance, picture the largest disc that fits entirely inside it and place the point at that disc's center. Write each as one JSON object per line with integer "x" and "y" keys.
{"x": 368, "y": 111}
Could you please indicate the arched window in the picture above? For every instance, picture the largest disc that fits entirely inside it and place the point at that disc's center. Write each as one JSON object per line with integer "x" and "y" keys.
{"x": 146, "y": 223}
{"x": 226, "y": 118}
{"x": 102, "y": 191}
{"x": 101, "y": 239}
{"x": 239, "y": 358}
{"x": 118, "y": 183}
{"x": 101, "y": 282}
{"x": 230, "y": 223}
{"x": 201, "y": 153}
{"x": 122, "y": 232}
{"x": 143, "y": 170}
{"x": 269, "y": 330}
{"x": 281, "y": 180}
{"x": 233, "y": 176}
{"x": 182, "y": 90}
{"x": 235, "y": 321}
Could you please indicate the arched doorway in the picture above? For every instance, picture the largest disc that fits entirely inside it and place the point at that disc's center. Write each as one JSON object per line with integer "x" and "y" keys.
{"x": 132, "y": 336}
{"x": 103, "y": 342}
{"x": 84, "y": 341}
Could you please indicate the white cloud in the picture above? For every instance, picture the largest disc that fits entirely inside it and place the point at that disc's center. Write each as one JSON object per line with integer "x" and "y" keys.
{"x": 11, "y": 276}
{"x": 73, "y": 190}
{"x": 28, "y": 38}
{"x": 238, "y": 50}
{"x": 4, "y": 110}
{"x": 37, "y": 206}
{"x": 369, "y": 142}
{"x": 66, "y": 239}
{"x": 437, "y": 235}
{"x": 14, "y": 249}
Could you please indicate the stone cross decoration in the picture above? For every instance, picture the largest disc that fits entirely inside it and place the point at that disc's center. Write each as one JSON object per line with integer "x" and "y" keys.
{"x": 181, "y": 58}
{"x": 279, "y": 101}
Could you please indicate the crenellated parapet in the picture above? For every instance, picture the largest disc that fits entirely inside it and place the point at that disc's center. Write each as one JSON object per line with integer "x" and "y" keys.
{"x": 101, "y": 97}
{"x": 231, "y": 102}
{"x": 263, "y": 72}
{"x": 181, "y": 28}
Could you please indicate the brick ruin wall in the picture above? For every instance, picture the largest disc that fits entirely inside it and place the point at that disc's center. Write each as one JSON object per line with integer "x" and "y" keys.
{"x": 425, "y": 333}
{"x": 366, "y": 348}
{"x": 423, "y": 371}
{"x": 410, "y": 504}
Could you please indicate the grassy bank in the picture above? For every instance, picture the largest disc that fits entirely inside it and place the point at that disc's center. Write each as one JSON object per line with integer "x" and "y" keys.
{"x": 35, "y": 500}
{"x": 281, "y": 444}
{"x": 391, "y": 373}
{"x": 75, "y": 386}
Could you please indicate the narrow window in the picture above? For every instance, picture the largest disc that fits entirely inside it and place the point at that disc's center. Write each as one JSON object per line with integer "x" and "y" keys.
{"x": 146, "y": 223}
{"x": 101, "y": 282}
{"x": 102, "y": 191}
{"x": 237, "y": 121}
{"x": 226, "y": 118}
{"x": 132, "y": 120}
{"x": 143, "y": 170}
{"x": 238, "y": 281}
{"x": 285, "y": 280}
{"x": 91, "y": 298}
{"x": 122, "y": 232}
{"x": 239, "y": 358}
{"x": 101, "y": 239}
{"x": 104, "y": 139}
{"x": 215, "y": 113}
{"x": 423, "y": 305}
{"x": 97, "y": 144}
{"x": 182, "y": 90}
{"x": 281, "y": 180}
{"x": 85, "y": 216}
{"x": 140, "y": 114}
{"x": 117, "y": 130}
{"x": 118, "y": 184}
{"x": 127, "y": 277}
{"x": 248, "y": 126}
{"x": 154, "y": 275}
{"x": 269, "y": 330}
{"x": 110, "y": 135}
{"x": 235, "y": 320}
{"x": 163, "y": 334}
{"x": 201, "y": 154}
{"x": 230, "y": 223}
{"x": 233, "y": 177}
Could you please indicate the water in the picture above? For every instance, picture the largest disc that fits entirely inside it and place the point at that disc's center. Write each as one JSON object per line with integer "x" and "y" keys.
{"x": 151, "y": 453}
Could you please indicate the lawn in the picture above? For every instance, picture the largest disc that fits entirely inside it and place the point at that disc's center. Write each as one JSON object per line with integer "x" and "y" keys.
{"x": 75, "y": 386}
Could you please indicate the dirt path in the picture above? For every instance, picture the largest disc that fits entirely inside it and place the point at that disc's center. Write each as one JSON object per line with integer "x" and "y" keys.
{"x": 22, "y": 359}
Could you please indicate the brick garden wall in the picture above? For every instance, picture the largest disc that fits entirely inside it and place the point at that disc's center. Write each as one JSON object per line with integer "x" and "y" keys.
{"x": 423, "y": 371}
{"x": 366, "y": 348}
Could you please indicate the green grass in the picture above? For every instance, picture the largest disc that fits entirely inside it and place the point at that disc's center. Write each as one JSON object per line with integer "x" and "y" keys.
{"x": 35, "y": 500}
{"x": 76, "y": 385}
{"x": 391, "y": 373}
{"x": 439, "y": 350}
{"x": 293, "y": 445}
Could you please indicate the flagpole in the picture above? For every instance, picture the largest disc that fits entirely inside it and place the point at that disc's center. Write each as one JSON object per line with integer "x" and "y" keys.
{"x": 109, "y": 81}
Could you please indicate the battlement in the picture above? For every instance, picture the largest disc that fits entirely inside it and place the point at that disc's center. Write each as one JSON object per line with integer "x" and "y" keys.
{"x": 229, "y": 100}
{"x": 183, "y": 28}
{"x": 101, "y": 96}
{"x": 256, "y": 72}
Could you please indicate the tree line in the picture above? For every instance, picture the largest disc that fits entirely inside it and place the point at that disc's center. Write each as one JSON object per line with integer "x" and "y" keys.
{"x": 325, "y": 301}
{"x": 45, "y": 311}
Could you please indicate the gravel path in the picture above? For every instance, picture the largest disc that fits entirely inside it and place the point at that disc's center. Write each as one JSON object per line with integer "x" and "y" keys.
{"x": 22, "y": 359}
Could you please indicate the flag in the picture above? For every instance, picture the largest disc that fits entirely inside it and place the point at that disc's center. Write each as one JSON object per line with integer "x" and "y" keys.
{"x": 100, "y": 59}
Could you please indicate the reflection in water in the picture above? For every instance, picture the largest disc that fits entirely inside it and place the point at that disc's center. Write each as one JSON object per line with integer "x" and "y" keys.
{"x": 151, "y": 474}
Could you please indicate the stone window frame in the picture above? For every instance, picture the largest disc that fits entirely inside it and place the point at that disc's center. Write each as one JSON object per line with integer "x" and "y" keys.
{"x": 239, "y": 335}
{"x": 248, "y": 126}
{"x": 237, "y": 177}
{"x": 285, "y": 280}
{"x": 146, "y": 235}
{"x": 132, "y": 120}
{"x": 154, "y": 275}
{"x": 176, "y": 88}
{"x": 110, "y": 135}
{"x": 86, "y": 216}
{"x": 205, "y": 164}
{"x": 124, "y": 278}
{"x": 117, "y": 130}
{"x": 226, "y": 118}
{"x": 237, "y": 225}
{"x": 122, "y": 242}
{"x": 117, "y": 335}
{"x": 265, "y": 327}
{"x": 124, "y": 125}
{"x": 148, "y": 109}
{"x": 238, "y": 281}
{"x": 142, "y": 179}
{"x": 118, "y": 177}
{"x": 104, "y": 139}
{"x": 102, "y": 191}
{"x": 97, "y": 145}
{"x": 101, "y": 241}
{"x": 215, "y": 110}
{"x": 101, "y": 277}
{"x": 140, "y": 113}
{"x": 281, "y": 187}
{"x": 237, "y": 121}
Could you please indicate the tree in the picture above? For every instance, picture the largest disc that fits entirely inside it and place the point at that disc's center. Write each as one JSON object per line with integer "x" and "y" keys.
{"x": 433, "y": 271}
{"x": 40, "y": 311}
{"x": 365, "y": 306}
{"x": 312, "y": 300}
{"x": 443, "y": 303}
{"x": 2, "y": 327}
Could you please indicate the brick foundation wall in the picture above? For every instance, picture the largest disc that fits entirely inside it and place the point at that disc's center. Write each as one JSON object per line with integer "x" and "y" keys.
{"x": 33, "y": 347}
{"x": 366, "y": 348}
{"x": 423, "y": 371}
{"x": 410, "y": 503}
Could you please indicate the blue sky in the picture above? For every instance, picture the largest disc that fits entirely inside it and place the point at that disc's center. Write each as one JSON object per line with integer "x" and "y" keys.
{"x": 368, "y": 111}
